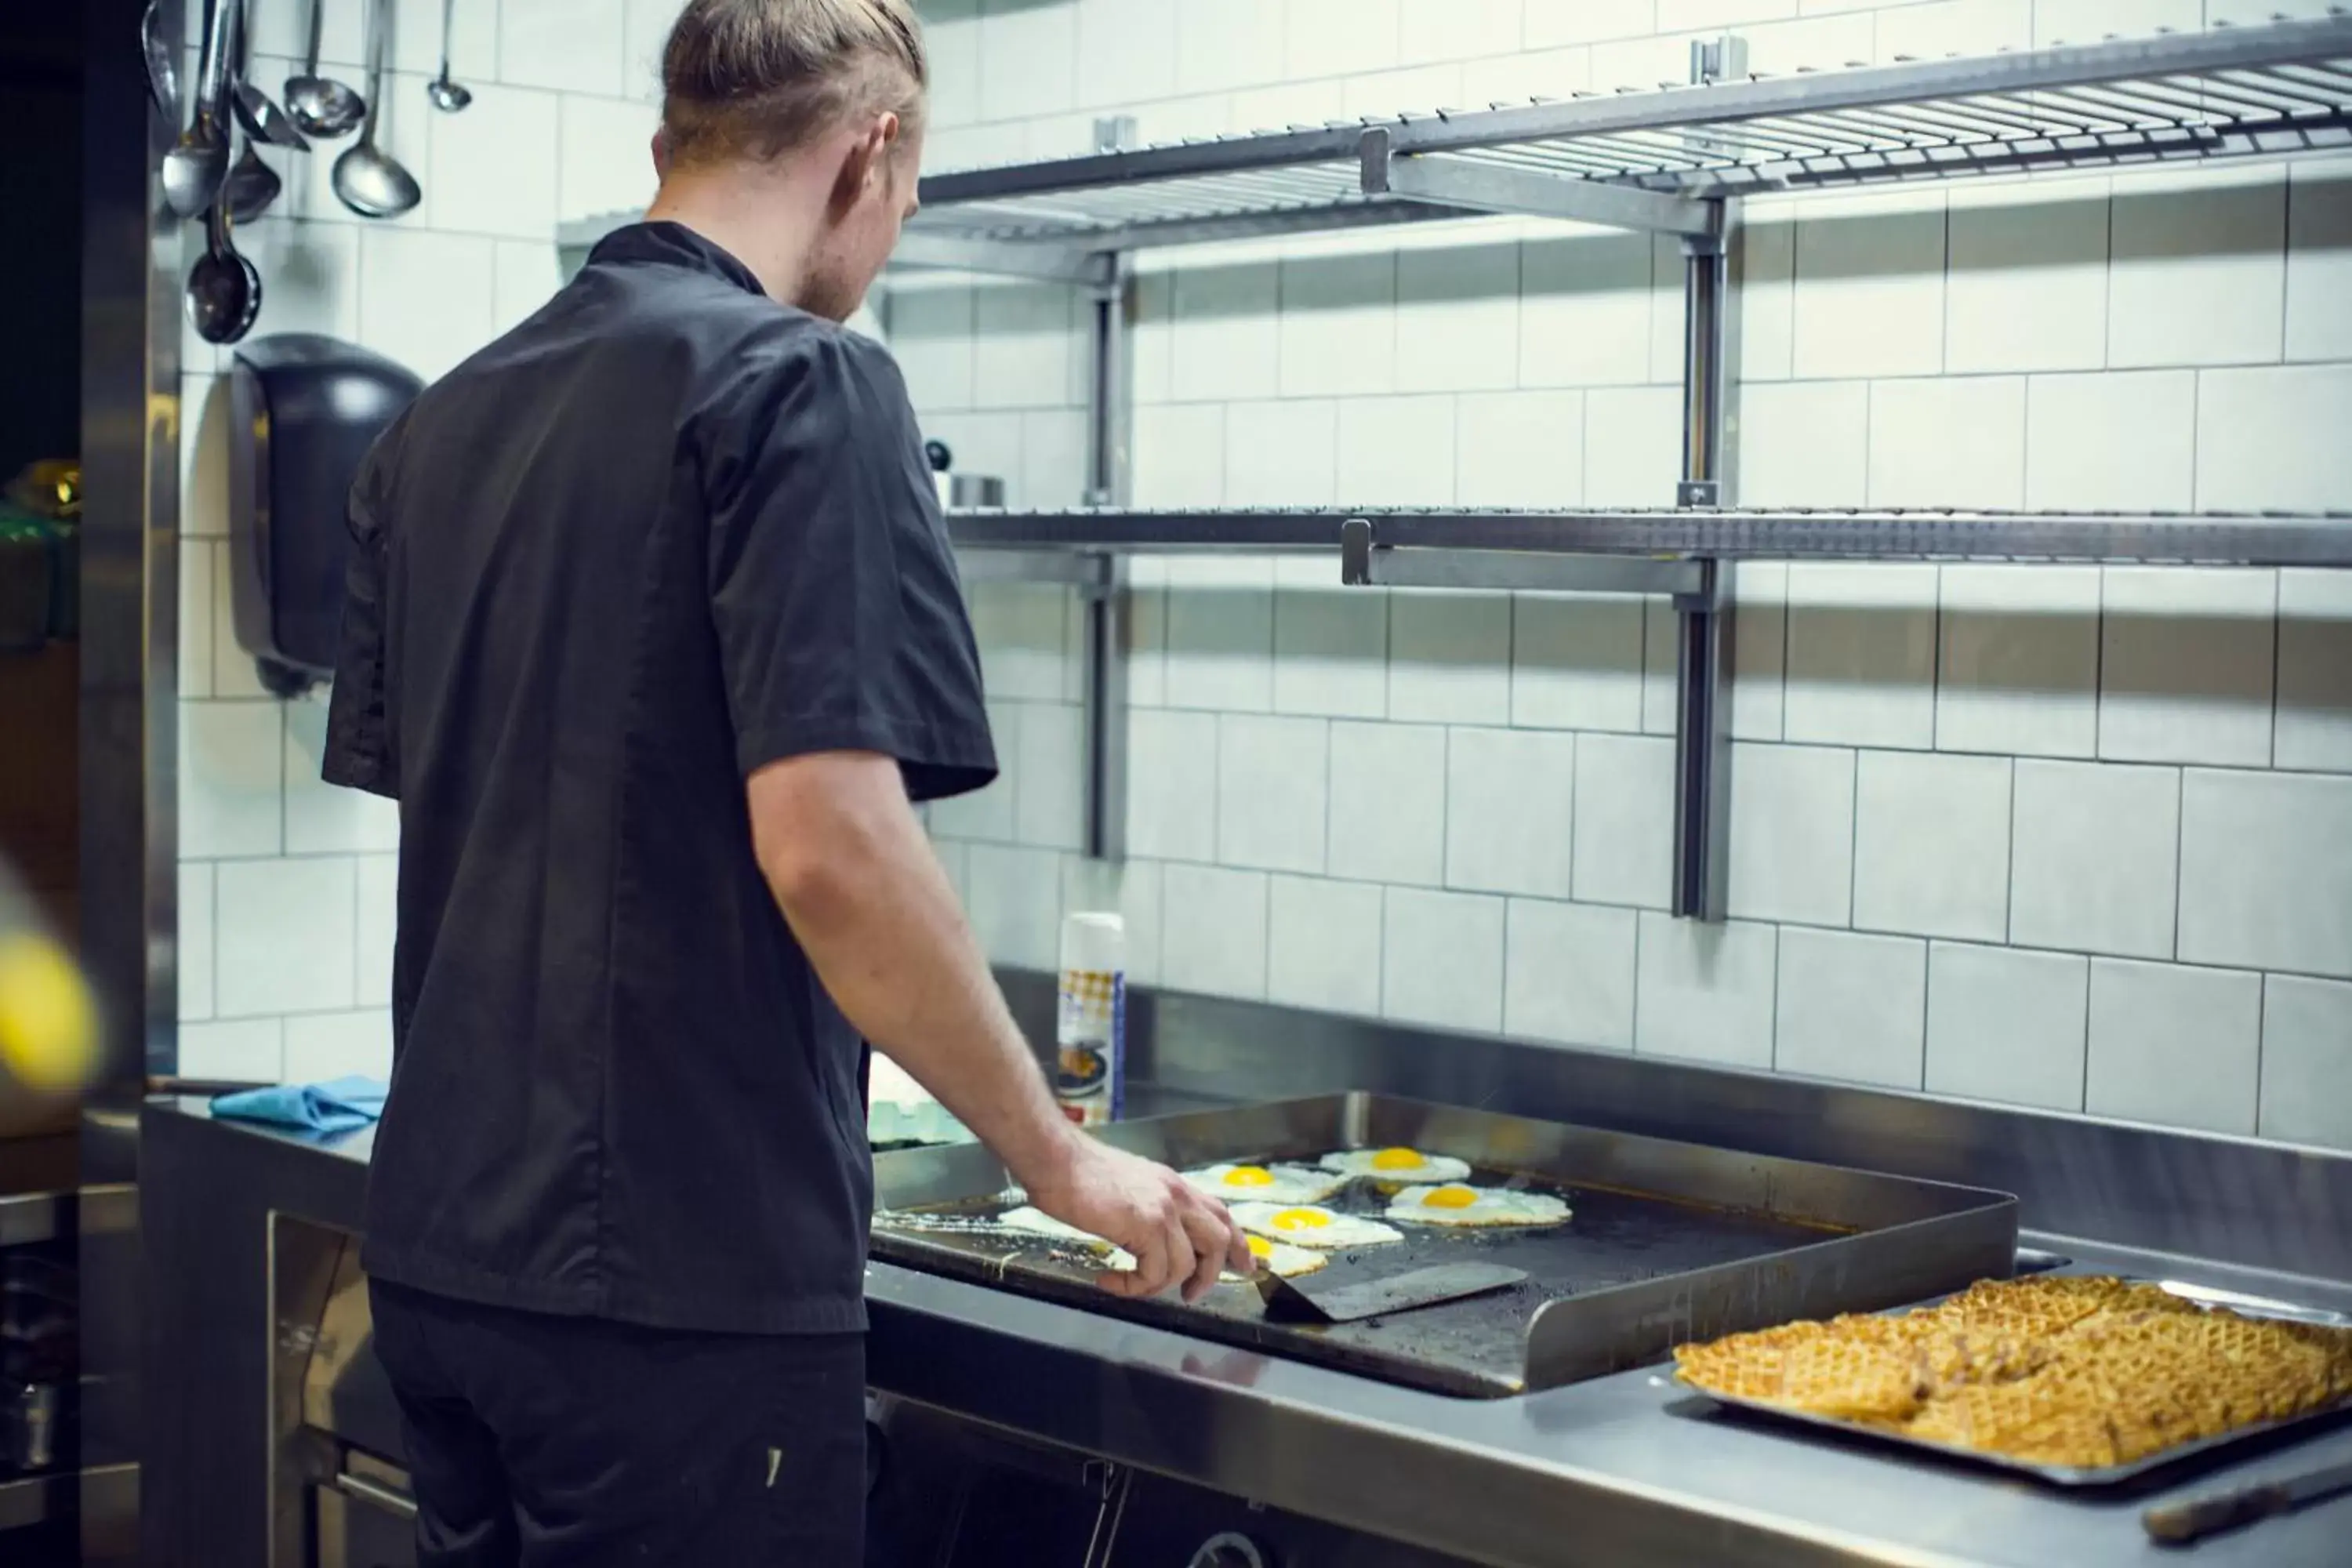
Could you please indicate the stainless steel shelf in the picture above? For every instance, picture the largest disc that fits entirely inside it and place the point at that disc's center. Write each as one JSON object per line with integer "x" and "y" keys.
{"x": 1643, "y": 159}
{"x": 1680, "y": 534}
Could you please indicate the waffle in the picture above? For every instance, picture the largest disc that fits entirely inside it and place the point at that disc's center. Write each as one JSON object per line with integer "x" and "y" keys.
{"x": 1812, "y": 1368}
{"x": 2089, "y": 1372}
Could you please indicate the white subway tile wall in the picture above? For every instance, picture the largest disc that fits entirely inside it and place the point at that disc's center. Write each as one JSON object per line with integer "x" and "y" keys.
{"x": 2173, "y": 1045}
{"x": 2049, "y": 803}
{"x": 1852, "y": 1008}
{"x": 1442, "y": 959}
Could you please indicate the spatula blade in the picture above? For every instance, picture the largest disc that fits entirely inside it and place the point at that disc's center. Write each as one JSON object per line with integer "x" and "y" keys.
{"x": 1361, "y": 1299}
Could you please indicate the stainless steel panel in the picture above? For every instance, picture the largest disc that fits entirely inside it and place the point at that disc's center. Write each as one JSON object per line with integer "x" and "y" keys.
{"x": 128, "y": 718}
{"x": 344, "y": 1391}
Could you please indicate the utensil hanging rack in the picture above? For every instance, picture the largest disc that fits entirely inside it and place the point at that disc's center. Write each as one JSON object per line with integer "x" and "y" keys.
{"x": 1676, "y": 161}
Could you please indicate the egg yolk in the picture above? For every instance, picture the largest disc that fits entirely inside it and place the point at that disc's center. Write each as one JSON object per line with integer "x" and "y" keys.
{"x": 1450, "y": 1198}
{"x": 1260, "y": 1247}
{"x": 1249, "y": 1176}
{"x": 1300, "y": 1219}
{"x": 1398, "y": 1160}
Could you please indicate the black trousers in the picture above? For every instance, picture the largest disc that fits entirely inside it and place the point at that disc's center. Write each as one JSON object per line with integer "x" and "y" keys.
{"x": 548, "y": 1442}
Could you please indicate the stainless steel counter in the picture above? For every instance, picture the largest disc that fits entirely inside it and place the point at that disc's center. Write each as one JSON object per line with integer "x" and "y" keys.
{"x": 1624, "y": 1469}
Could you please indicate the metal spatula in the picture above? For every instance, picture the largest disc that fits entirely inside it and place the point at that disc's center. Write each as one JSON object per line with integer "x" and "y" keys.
{"x": 1363, "y": 1299}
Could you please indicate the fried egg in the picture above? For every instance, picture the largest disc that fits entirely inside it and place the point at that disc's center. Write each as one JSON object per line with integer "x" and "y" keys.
{"x": 1037, "y": 1222}
{"x": 1266, "y": 1184}
{"x": 1453, "y": 1203}
{"x": 1396, "y": 1165}
{"x": 1305, "y": 1225}
{"x": 1280, "y": 1259}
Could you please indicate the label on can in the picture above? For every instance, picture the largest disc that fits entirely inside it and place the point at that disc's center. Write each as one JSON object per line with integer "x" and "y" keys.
{"x": 1089, "y": 1077}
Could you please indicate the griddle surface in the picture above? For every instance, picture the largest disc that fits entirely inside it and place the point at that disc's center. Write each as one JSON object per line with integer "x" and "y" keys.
{"x": 1474, "y": 1347}
{"x": 1666, "y": 1241}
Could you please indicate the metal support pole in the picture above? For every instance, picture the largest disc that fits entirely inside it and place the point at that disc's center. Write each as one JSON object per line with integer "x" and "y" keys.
{"x": 1703, "y": 675}
{"x": 1105, "y": 602}
{"x": 1702, "y": 746}
{"x": 1106, "y": 605}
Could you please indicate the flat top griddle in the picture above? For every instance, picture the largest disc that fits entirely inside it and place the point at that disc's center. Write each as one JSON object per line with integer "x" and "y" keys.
{"x": 1667, "y": 1241}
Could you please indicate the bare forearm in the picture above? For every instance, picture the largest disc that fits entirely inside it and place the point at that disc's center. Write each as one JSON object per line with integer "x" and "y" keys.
{"x": 882, "y": 926}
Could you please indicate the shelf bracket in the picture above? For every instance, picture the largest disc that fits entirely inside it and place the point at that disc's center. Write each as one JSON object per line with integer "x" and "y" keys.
{"x": 1474, "y": 185}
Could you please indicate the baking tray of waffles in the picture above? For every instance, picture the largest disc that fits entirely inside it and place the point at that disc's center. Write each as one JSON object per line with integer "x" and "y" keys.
{"x": 2080, "y": 1380}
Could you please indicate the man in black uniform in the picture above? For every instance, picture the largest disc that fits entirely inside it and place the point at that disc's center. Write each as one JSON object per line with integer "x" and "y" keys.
{"x": 654, "y": 633}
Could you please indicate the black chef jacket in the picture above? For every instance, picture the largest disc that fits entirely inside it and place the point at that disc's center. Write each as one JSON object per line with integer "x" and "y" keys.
{"x": 662, "y": 533}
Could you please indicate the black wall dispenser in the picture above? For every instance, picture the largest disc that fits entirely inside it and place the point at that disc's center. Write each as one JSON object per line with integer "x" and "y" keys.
{"x": 304, "y": 410}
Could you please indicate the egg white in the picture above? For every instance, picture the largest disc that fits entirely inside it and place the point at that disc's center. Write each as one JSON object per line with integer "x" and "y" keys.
{"x": 1284, "y": 1184}
{"x": 1360, "y": 1164}
{"x": 1490, "y": 1206}
{"x": 1338, "y": 1230}
{"x": 1038, "y": 1223}
{"x": 1280, "y": 1259}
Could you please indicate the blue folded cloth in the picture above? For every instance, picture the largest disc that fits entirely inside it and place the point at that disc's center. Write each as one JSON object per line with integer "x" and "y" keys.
{"x": 336, "y": 1107}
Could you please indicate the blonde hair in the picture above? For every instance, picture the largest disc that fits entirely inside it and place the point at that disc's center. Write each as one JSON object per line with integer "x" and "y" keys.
{"x": 754, "y": 79}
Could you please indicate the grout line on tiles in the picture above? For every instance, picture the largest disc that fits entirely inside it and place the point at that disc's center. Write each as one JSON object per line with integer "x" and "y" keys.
{"x": 2278, "y": 655}
{"x": 1853, "y": 844}
{"x": 2179, "y": 846}
{"x": 2089, "y": 972}
{"x": 2099, "y": 671}
{"x": 2196, "y": 427}
{"x": 1634, "y": 1017}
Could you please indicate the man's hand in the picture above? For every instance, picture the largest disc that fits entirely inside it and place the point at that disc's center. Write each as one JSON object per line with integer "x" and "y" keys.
{"x": 1178, "y": 1234}
{"x": 857, "y": 882}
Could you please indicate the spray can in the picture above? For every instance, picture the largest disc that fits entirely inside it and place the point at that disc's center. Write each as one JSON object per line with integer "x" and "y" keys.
{"x": 1090, "y": 1021}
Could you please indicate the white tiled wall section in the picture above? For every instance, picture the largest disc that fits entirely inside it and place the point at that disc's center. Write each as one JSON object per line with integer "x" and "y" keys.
{"x": 285, "y": 894}
{"x": 2060, "y": 836}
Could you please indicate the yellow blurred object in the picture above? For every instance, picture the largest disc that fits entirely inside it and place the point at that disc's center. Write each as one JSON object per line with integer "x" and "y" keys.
{"x": 49, "y": 1028}
{"x": 51, "y": 487}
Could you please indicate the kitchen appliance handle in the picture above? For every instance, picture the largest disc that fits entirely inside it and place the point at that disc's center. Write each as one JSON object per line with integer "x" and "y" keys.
{"x": 377, "y": 1496}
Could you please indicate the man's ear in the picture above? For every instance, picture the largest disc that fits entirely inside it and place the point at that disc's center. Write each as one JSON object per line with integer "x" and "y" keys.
{"x": 864, "y": 164}
{"x": 661, "y": 153}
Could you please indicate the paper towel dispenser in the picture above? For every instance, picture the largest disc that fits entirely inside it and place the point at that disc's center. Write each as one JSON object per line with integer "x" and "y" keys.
{"x": 304, "y": 411}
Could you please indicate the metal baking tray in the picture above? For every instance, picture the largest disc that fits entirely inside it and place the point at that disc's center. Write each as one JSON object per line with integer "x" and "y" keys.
{"x": 2183, "y": 1454}
{"x": 1668, "y": 1241}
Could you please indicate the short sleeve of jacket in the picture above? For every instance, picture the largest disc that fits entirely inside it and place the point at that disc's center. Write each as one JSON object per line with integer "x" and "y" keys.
{"x": 840, "y": 620}
{"x": 359, "y": 749}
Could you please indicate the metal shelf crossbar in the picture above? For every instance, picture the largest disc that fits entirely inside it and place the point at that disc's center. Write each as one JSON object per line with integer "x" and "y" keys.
{"x": 2281, "y": 89}
{"x": 1681, "y": 533}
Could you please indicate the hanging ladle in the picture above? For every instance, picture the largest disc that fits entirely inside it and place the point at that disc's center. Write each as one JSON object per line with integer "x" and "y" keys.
{"x": 320, "y": 105}
{"x": 223, "y": 292}
{"x": 198, "y": 162}
{"x": 447, "y": 96}
{"x": 253, "y": 185}
{"x": 162, "y": 71}
{"x": 255, "y": 110}
{"x": 368, "y": 180}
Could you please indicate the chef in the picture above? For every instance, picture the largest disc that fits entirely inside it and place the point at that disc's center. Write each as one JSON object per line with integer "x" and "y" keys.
{"x": 653, "y": 631}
